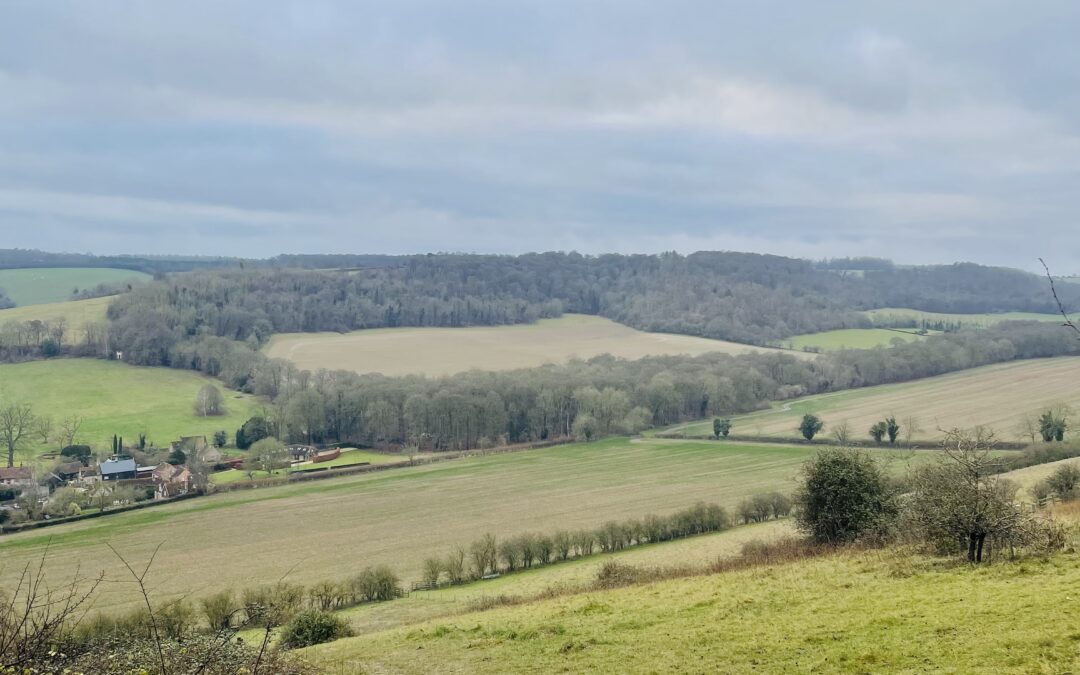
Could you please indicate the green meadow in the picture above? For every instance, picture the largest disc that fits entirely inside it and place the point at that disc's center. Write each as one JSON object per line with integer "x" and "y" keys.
{"x": 37, "y": 286}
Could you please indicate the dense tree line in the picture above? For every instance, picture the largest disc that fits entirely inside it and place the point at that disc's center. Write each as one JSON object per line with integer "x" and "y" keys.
{"x": 748, "y": 298}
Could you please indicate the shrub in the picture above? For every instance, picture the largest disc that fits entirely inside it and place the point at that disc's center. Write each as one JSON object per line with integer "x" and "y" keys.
{"x": 375, "y": 585}
{"x": 79, "y": 452}
{"x": 313, "y": 627}
{"x": 843, "y": 496}
{"x": 219, "y": 609}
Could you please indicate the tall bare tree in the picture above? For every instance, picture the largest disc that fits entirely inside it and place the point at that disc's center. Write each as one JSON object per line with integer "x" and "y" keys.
{"x": 16, "y": 422}
{"x": 68, "y": 430}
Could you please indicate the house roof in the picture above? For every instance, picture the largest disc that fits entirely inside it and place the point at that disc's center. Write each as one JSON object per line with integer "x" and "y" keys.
{"x": 168, "y": 472}
{"x": 16, "y": 473}
{"x": 117, "y": 465}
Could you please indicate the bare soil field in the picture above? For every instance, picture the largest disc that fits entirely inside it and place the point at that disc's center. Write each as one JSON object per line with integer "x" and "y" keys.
{"x": 443, "y": 351}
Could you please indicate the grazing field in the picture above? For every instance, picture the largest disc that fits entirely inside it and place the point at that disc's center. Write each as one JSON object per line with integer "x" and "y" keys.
{"x": 77, "y": 313}
{"x": 997, "y": 396}
{"x": 853, "y": 613}
{"x": 347, "y": 457}
{"x": 442, "y": 351}
{"x": 330, "y": 529}
{"x": 850, "y": 338}
{"x": 115, "y": 398}
{"x": 36, "y": 286}
{"x": 890, "y": 315}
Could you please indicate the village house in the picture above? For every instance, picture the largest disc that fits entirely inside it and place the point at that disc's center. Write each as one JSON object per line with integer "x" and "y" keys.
{"x": 197, "y": 447}
{"x": 20, "y": 476}
{"x": 171, "y": 481}
{"x": 119, "y": 467}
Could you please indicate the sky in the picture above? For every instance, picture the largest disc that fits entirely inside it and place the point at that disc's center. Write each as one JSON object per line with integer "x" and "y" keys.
{"x": 926, "y": 132}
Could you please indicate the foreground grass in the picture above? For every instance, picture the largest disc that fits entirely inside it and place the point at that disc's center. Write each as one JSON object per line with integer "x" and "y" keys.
{"x": 850, "y": 338}
{"x": 442, "y": 351}
{"x": 859, "y": 613}
{"x": 330, "y": 529}
{"x": 78, "y": 314}
{"x": 996, "y": 396}
{"x": 115, "y": 398}
{"x": 36, "y": 286}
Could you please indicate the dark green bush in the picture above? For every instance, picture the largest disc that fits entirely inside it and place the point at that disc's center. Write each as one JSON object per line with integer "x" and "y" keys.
{"x": 313, "y": 627}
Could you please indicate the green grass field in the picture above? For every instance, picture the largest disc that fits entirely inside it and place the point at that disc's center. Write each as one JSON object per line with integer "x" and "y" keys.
{"x": 849, "y": 338}
{"x": 442, "y": 351}
{"x": 78, "y": 314}
{"x": 888, "y": 315}
{"x": 996, "y": 396}
{"x": 872, "y": 612}
{"x": 347, "y": 457}
{"x": 37, "y": 286}
{"x": 332, "y": 528}
{"x": 115, "y": 398}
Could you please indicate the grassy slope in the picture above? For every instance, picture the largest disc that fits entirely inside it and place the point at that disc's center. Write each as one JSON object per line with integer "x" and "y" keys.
{"x": 440, "y": 351}
{"x": 850, "y": 338}
{"x": 44, "y": 285}
{"x": 115, "y": 398}
{"x": 332, "y": 528}
{"x": 886, "y": 313}
{"x": 997, "y": 396}
{"x": 347, "y": 457}
{"x": 78, "y": 314}
{"x": 872, "y": 612}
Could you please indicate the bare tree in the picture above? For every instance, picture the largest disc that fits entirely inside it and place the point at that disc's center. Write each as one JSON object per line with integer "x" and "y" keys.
{"x": 16, "y": 421}
{"x": 68, "y": 430}
{"x": 209, "y": 401}
{"x": 44, "y": 428}
{"x": 841, "y": 433}
{"x": 1061, "y": 308}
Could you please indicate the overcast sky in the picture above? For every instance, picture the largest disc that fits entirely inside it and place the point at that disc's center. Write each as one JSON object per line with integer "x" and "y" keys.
{"x": 922, "y": 131}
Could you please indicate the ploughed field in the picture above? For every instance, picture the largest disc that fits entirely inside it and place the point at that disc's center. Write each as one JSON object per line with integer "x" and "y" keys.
{"x": 333, "y": 528}
{"x": 35, "y": 286}
{"x": 442, "y": 351}
{"x": 998, "y": 396}
{"x": 115, "y": 398}
{"x": 873, "y": 612}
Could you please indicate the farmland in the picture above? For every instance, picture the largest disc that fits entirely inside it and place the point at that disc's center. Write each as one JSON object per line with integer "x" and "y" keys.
{"x": 77, "y": 313}
{"x": 996, "y": 396}
{"x": 892, "y": 315}
{"x": 442, "y": 351}
{"x": 36, "y": 286}
{"x": 868, "y": 612}
{"x": 115, "y": 398}
{"x": 849, "y": 338}
{"x": 332, "y": 528}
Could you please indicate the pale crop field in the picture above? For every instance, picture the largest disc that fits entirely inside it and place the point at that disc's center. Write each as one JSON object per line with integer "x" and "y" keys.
{"x": 35, "y": 286}
{"x": 443, "y": 351}
{"x": 331, "y": 529}
{"x": 77, "y": 313}
{"x": 997, "y": 396}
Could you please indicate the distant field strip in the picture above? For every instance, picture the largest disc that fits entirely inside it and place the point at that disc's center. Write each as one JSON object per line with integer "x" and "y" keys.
{"x": 332, "y": 528}
{"x": 889, "y": 314}
{"x": 996, "y": 396}
{"x": 850, "y": 338}
{"x": 442, "y": 351}
{"x": 35, "y": 286}
{"x": 78, "y": 314}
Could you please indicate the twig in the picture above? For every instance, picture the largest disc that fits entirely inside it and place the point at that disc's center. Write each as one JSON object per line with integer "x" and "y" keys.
{"x": 139, "y": 580}
{"x": 1061, "y": 308}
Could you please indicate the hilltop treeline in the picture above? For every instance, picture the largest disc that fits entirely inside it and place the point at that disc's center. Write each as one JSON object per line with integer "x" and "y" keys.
{"x": 587, "y": 399}
{"x": 749, "y": 298}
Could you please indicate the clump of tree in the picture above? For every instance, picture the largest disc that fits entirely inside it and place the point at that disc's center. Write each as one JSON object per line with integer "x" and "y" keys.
{"x": 1052, "y": 426}
{"x": 810, "y": 426}
{"x": 1063, "y": 484}
{"x": 253, "y": 430}
{"x": 721, "y": 427}
{"x": 209, "y": 401}
{"x": 759, "y": 508}
{"x": 844, "y": 496}
{"x": 267, "y": 455}
{"x": 960, "y": 503}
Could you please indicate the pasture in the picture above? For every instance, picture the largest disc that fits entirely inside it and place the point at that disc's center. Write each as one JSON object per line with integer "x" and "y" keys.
{"x": 443, "y": 351}
{"x": 847, "y": 612}
{"x": 850, "y": 338}
{"x": 332, "y": 528}
{"x": 37, "y": 286}
{"x": 77, "y": 313}
{"x": 998, "y": 396}
{"x": 115, "y": 398}
{"x": 893, "y": 315}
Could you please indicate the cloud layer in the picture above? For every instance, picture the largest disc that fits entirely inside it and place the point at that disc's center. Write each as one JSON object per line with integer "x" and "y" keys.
{"x": 922, "y": 131}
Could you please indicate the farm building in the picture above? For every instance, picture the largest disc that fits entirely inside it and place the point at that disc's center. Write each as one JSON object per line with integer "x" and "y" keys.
{"x": 171, "y": 481}
{"x": 119, "y": 467}
{"x": 16, "y": 475}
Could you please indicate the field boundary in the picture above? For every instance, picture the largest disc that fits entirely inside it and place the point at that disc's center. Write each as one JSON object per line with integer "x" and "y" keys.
{"x": 791, "y": 440}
